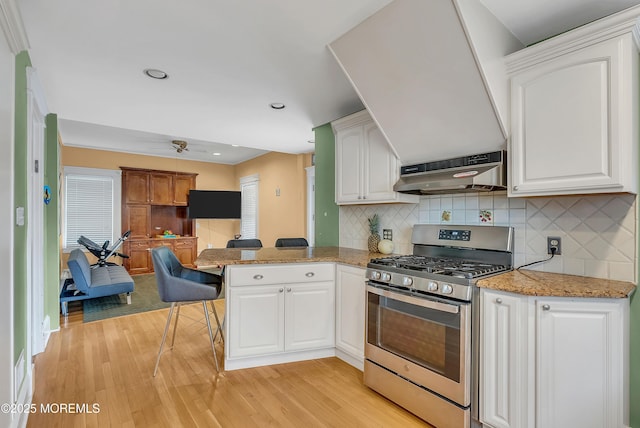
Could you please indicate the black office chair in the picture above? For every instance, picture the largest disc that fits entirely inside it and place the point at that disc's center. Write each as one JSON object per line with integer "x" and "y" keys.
{"x": 291, "y": 242}
{"x": 244, "y": 243}
{"x": 178, "y": 284}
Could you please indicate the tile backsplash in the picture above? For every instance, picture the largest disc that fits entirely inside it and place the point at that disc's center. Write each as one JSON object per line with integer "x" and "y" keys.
{"x": 597, "y": 231}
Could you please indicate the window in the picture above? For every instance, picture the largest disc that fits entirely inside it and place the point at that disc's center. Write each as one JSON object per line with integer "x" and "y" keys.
{"x": 92, "y": 205}
{"x": 249, "y": 221}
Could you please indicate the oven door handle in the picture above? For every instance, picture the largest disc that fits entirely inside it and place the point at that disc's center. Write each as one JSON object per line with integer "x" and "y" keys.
{"x": 423, "y": 301}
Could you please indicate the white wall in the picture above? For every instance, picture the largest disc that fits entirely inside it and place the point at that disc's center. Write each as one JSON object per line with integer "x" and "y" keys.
{"x": 597, "y": 231}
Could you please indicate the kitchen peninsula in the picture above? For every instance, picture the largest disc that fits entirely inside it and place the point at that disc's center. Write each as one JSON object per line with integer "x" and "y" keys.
{"x": 292, "y": 304}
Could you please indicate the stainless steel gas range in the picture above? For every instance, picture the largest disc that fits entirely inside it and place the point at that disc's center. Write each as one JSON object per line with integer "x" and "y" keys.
{"x": 421, "y": 347}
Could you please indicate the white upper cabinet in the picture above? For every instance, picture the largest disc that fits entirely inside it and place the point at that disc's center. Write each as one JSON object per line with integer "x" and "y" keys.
{"x": 366, "y": 167}
{"x": 574, "y": 112}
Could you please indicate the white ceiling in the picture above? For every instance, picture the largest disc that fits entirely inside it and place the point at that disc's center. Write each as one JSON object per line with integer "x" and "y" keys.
{"x": 227, "y": 61}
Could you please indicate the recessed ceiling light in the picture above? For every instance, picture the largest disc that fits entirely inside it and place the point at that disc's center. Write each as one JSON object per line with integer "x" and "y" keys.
{"x": 155, "y": 74}
{"x": 277, "y": 106}
{"x": 217, "y": 154}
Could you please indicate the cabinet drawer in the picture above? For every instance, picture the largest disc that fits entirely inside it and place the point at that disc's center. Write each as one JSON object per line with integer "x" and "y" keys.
{"x": 183, "y": 243}
{"x": 136, "y": 245}
{"x": 279, "y": 274}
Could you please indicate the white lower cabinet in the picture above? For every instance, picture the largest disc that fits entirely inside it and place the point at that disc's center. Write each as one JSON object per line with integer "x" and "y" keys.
{"x": 285, "y": 319}
{"x": 503, "y": 371}
{"x": 553, "y": 361}
{"x": 350, "y": 314}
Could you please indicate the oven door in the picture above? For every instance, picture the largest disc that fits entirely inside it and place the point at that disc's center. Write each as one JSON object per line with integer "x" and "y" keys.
{"x": 424, "y": 340}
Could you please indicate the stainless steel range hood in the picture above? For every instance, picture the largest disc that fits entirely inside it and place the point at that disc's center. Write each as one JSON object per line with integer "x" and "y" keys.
{"x": 477, "y": 173}
{"x": 434, "y": 90}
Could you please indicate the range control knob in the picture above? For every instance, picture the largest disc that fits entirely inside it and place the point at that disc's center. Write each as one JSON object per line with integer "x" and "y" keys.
{"x": 432, "y": 286}
{"x": 385, "y": 276}
{"x": 374, "y": 274}
{"x": 447, "y": 289}
{"x": 407, "y": 281}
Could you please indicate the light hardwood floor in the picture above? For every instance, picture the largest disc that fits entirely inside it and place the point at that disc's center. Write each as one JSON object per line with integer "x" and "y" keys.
{"x": 110, "y": 363}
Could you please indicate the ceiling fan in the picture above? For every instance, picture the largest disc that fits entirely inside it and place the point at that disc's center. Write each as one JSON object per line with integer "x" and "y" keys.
{"x": 179, "y": 145}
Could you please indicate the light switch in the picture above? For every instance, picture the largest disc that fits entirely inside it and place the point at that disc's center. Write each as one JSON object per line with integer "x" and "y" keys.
{"x": 20, "y": 216}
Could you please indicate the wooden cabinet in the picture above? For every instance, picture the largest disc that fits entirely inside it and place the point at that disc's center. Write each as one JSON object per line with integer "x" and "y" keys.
{"x": 350, "y": 314}
{"x": 366, "y": 167}
{"x": 137, "y": 218}
{"x": 554, "y": 362}
{"x": 135, "y": 187}
{"x": 161, "y": 188}
{"x": 139, "y": 252}
{"x": 154, "y": 201}
{"x": 288, "y": 317}
{"x": 574, "y": 112}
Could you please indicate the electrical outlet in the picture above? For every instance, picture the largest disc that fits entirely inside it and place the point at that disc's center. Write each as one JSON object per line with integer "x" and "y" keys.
{"x": 554, "y": 242}
{"x": 387, "y": 234}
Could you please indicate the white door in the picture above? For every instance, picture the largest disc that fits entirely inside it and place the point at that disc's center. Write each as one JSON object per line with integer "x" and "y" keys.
{"x": 7, "y": 79}
{"x": 36, "y": 112}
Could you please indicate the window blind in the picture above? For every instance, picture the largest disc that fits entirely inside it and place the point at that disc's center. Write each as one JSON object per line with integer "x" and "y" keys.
{"x": 89, "y": 208}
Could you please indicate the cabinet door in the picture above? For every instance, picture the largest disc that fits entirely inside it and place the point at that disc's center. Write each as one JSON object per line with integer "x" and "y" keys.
{"x": 139, "y": 260}
{"x": 349, "y": 146}
{"x": 256, "y": 320}
{"x": 381, "y": 167}
{"x": 181, "y": 186}
{"x": 350, "y": 310}
{"x": 185, "y": 251}
{"x": 309, "y": 316}
{"x": 138, "y": 219}
{"x": 503, "y": 370}
{"x": 161, "y": 188}
{"x": 581, "y": 363}
{"x": 135, "y": 187}
{"x": 570, "y": 129}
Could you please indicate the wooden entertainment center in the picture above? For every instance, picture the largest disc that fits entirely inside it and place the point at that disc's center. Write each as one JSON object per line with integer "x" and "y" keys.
{"x": 154, "y": 201}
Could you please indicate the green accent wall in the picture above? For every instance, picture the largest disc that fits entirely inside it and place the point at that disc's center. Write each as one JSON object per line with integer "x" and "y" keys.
{"x": 327, "y": 213}
{"x": 20, "y": 200}
{"x": 51, "y": 224}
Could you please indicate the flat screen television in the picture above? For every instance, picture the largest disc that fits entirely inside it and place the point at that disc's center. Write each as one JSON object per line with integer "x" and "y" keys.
{"x": 214, "y": 204}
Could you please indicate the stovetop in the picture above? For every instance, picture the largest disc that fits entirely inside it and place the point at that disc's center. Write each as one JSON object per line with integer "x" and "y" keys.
{"x": 423, "y": 266}
{"x": 447, "y": 260}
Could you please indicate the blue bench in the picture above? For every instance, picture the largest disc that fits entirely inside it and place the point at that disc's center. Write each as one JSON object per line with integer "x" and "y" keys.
{"x": 91, "y": 282}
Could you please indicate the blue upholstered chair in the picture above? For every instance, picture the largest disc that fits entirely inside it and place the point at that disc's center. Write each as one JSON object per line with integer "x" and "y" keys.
{"x": 291, "y": 242}
{"x": 178, "y": 284}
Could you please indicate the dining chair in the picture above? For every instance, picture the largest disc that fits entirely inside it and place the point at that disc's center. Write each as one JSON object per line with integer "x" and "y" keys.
{"x": 244, "y": 243}
{"x": 178, "y": 284}
{"x": 291, "y": 242}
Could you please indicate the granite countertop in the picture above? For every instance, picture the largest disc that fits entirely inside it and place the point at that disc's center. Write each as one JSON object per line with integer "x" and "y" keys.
{"x": 233, "y": 256}
{"x": 536, "y": 283}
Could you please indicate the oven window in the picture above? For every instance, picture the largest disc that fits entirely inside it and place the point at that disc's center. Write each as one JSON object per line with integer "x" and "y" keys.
{"x": 425, "y": 336}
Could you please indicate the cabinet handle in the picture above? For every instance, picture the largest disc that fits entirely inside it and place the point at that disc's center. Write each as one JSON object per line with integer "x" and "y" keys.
{"x": 309, "y": 274}
{"x": 359, "y": 197}
{"x": 280, "y": 290}
{"x": 546, "y": 307}
{"x": 498, "y": 300}
{"x": 515, "y": 187}
{"x": 288, "y": 289}
{"x": 258, "y": 276}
